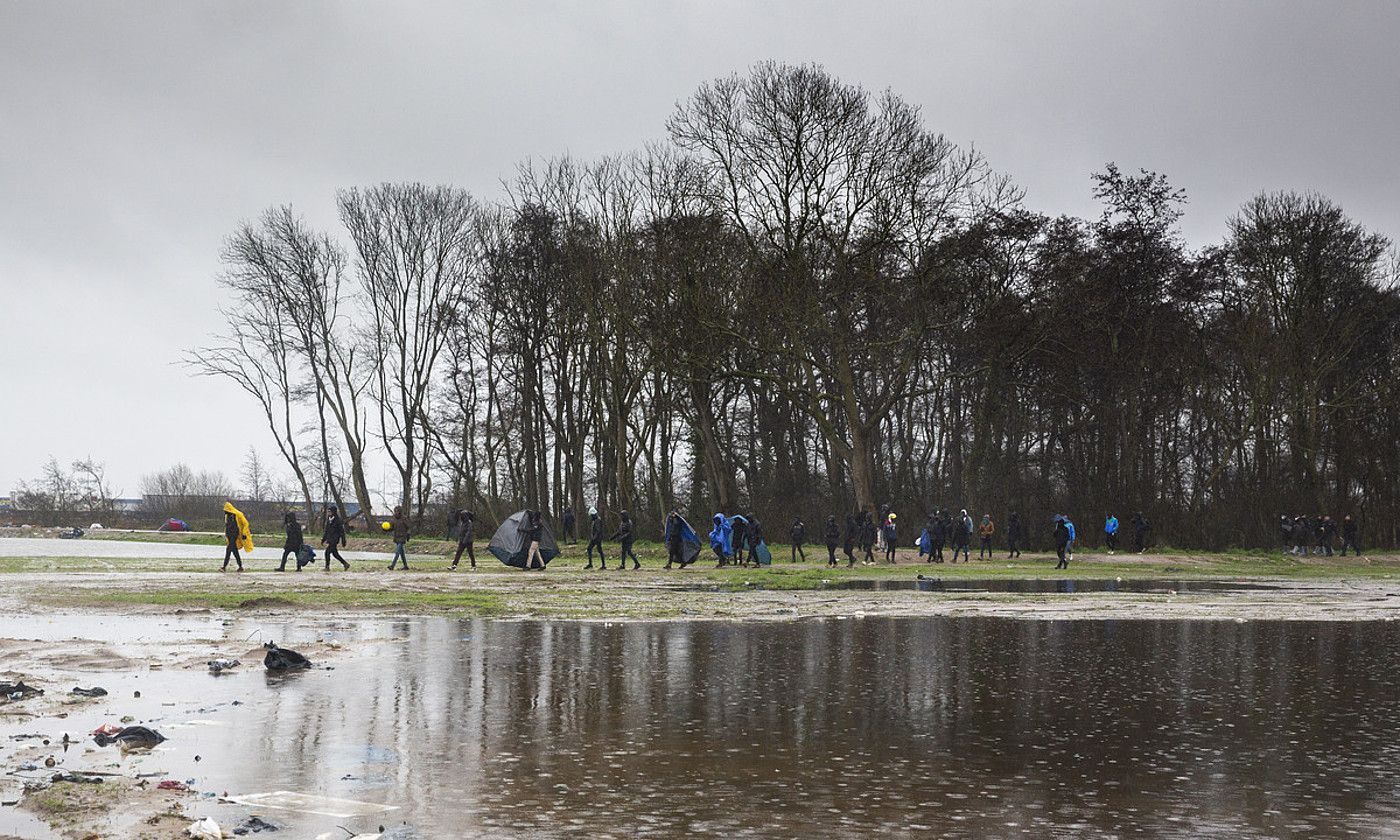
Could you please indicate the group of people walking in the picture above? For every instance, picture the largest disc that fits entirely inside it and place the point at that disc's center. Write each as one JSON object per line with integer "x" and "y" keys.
{"x": 1316, "y": 535}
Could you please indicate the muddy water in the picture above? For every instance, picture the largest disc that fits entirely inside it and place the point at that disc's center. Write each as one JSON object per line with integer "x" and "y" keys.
{"x": 956, "y": 727}
{"x": 1049, "y": 586}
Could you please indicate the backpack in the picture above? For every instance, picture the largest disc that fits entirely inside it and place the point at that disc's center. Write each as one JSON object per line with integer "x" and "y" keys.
{"x": 308, "y": 554}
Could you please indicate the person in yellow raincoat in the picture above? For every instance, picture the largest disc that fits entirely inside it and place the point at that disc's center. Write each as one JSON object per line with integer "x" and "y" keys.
{"x": 237, "y": 535}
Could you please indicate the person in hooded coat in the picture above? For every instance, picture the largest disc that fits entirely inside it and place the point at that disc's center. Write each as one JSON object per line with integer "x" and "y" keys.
{"x": 962, "y": 537}
{"x": 466, "y": 537}
{"x": 851, "y": 536}
{"x": 595, "y": 539}
{"x": 799, "y": 536}
{"x": 398, "y": 523}
{"x": 868, "y": 534}
{"x": 891, "y": 537}
{"x": 1064, "y": 537}
{"x": 569, "y": 523}
{"x": 675, "y": 540}
{"x": 626, "y": 535}
{"x": 1140, "y": 529}
{"x": 721, "y": 540}
{"x": 939, "y": 534}
{"x": 832, "y": 534}
{"x": 926, "y": 538}
{"x": 755, "y": 533}
{"x": 739, "y": 537}
{"x": 238, "y": 536}
{"x": 1285, "y": 527}
{"x": 333, "y": 536}
{"x": 1013, "y": 535}
{"x": 294, "y": 541}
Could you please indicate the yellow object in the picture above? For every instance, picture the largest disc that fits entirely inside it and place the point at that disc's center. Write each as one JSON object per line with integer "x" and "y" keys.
{"x": 245, "y": 534}
{"x": 385, "y": 525}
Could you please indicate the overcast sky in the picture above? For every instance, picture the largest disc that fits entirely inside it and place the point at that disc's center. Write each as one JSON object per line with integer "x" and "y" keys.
{"x": 135, "y": 136}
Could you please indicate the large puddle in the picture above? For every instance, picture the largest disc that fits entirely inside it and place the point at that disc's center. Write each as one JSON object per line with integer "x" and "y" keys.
{"x": 967, "y": 727}
{"x": 1051, "y": 586}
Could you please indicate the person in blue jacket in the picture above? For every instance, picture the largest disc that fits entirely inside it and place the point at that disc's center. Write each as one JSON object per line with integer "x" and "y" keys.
{"x": 720, "y": 540}
{"x": 888, "y": 532}
{"x": 1110, "y": 532}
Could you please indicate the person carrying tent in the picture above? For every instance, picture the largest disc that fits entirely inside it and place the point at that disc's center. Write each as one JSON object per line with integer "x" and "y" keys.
{"x": 626, "y": 535}
{"x": 466, "y": 537}
{"x": 890, "y": 535}
{"x": 799, "y": 536}
{"x": 1013, "y": 535}
{"x": 682, "y": 543}
{"x": 524, "y": 541}
{"x": 1110, "y": 532}
{"x": 595, "y": 538}
{"x": 985, "y": 529}
{"x": 398, "y": 524}
{"x": 962, "y": 537}
{"x": 851, "y": 535}
{"x": 294, "y": 541}
{"x": 721, "y": 539}
{"x": 755, "y": 536}
{"x": 532, "y": 528}
{"x": 333, "y": 536}
{"x": 832, "y": 534}
{"x": 1141, "y": 527}
{"x": 1064, "y": 538}
{"x": 926, "y": 538}
{"x": 237, "y": 535}
{"x": 1349, "y": 536}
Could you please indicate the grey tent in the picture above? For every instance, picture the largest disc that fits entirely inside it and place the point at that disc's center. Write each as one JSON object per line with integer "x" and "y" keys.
{"x": 512, "y": 547}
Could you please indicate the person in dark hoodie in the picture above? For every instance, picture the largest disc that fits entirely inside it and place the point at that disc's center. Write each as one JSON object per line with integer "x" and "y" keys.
{"x": 1064, "y": 539}
{"x": 1285, "y": 528}
{"x": 466, "y": 536}
{"x": 675, "y": 541}
{"x": 939, "y": 534}
{"x": 832, "y": 534}
{"x": 231, "y": 540}
{"x": 1013, "y": 535}
{"x": 868, "y": 533}
{"x": 755, "y": 537}
{"x": 398, "y": 523}
{"x": 738, "y": 534}
{"x": 294, "y": 541}
{"x": 595, "y": 539}
{"x": 626, "y": 535}
{"x": 569, "y": 526}
{"x": 962, "y": 537}
{"x": 1141, "y": 528}
{"x": 851, "y": 537}
{"x": 1349, "y": 536}
{"x": 333, "y": 536}
{"x": 799, "y": 536}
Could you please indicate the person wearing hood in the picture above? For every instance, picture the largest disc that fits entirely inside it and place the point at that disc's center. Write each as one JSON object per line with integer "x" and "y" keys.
{"x": 868, "y": 533}
{"x": 938, "y": 536}
{"x": 832, "y": 534}
{"x": 985, "y": 530}
{"x": 237, "y": 535}
{"x": 626, "y": 535}
{"x": 675, "y": 540}
{"x": 1064, "y": 539}
{"x": 294, "y": 541}
{"x": 880, "y": 520}
{"x": 962, "y": 537}
{"x": 333, "y": 536}
{"x": 569, "y": 526}
{"x": 466, "y": 534}
{"x": 851, "y": 536}
{"x": 1013, "y": 535}
{"x": 755, "y": 537}
{"x": 721, "y": 540}
{"x": 890, "y": 534}
{"x": 1349, "y": 536}
{"x": 1110, "y": 532}
{"x": 398, "y": 523}
{"x": 799, "y": 536}
{"x": 738, "y": 538}
{"x": 595, "y": 539}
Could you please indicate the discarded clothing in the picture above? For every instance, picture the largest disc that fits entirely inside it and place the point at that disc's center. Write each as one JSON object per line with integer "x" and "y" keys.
{"x": 90, "y": 692}
{"x": 282, "y": 659}
{"x": 128, "y": 737}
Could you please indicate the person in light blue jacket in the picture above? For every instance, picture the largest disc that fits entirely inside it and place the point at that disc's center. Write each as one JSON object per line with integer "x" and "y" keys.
{"x": 1110, "y": 532}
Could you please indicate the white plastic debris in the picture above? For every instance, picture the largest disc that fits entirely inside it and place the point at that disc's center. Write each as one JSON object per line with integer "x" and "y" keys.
{"x": 205, "y": 829}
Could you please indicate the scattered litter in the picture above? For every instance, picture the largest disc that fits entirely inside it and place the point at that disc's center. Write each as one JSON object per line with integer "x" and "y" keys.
{"x": 95, "y": 691}
{"x": 78, "y": 778}
{"x": 255, "y": 825}
{"x": 129, "y": 737}
{"x": 172, "y": 784}
{"x": 305, "y": 803}
{"x": 218, "y": 666}
{"x": 107, "y": 729}
{"x": 282, "y": 659}
{"x": 205, "y": 829}
{"x": 13, "y": 691}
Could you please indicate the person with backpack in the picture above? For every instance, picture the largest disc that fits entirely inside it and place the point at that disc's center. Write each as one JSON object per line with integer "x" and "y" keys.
{"x": 1013, "y": 535}
{"x": 466, "y": 538}
{"x": 399, "y": 524}
{"x": 985, "y": 531}
{"x": 799, "y": 535}
{"x": 333, "y": 536}
{"x": 626, "y": 536}
{"x": 851, "y": 537}
{"x": 1141, "y": 527}
{"x": 890, "y": 535}
{"x": 1064, "y": 540}
{"x": 1349, "y": 537}
{"x": 569, "y": 523}
{"x": 294, "y": 541}
{"x": 595, "y": 539}
{"x": 962, "y": 537}
{"x": 832, "y": 534}
{"x": 1110, "y": 532}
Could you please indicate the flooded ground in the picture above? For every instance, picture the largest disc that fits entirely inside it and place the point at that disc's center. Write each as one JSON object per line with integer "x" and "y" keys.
{"x": 1049, "y": 586}
{"x": 963, "y": 727}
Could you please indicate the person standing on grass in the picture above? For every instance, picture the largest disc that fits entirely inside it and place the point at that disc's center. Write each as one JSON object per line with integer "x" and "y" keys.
{"x": 739, "y": 533}
{"x": 466, "y": 533}
{"x": 1326, "y": 531}
{"x": 333, "y": 536}
{"x": 891, "y": 536}
{"x": 938, "y": 535}
{"x": 721, "y": 539}
{"x": 1141, "y": 527}
{"x": 626, "y": 535}
{"x": 832, "y": 534}
{"x": 398, "y": 523}
{"x": 985, "y": 530}
{"x": 675, "y": 540}
{"x": 1064, "y": 537}
{"x": 595, "y": 539}
{"x": 570, "y": 523}
{"x": 850, "y": 537}
{"x": 799, "y": 535}
{"x": 1110, "y": 532}
{"x": 1013, "y": 535}
{"x": 1349, "y": 537}
{"x": 293, "y": 543}
{"x": 755, "y": 537}
{"x": 1285, "y": 528}
{"x": 533, "y": 526}
{"x": 868, "y": 533}
{"x": 962, "y": 537}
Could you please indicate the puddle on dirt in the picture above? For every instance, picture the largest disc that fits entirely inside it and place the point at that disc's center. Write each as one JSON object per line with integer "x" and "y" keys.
{"x": 966, "y": 727}
{"x": 1049, "y": 586}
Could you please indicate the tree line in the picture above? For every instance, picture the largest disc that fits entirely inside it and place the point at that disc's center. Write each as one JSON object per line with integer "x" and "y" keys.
{"x": 806, "y": 302}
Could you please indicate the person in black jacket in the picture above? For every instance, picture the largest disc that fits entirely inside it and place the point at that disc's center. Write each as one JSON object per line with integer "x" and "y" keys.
{"x": 1349, "y": 537}
{"x": 595, "y": 539}
{"x": 294, "y": 541}
{"x": 832, "y": 534}
{"x": 939, "y": 535}
{"x": 231, "y": 541}
{"x": 675, "y": 541}
{"x": 569, "y": 523}
{"x": 962, "y": 537}
{"x": 333, "y": 537}
{"x": 1013, "y": 535}
{"x": 1141, "y": 527}
{"x": 755, "y": 537}
{"x": 626, "y": 536}
{"x": 799, "y": 535}
{"x": 466, "y": 537}
{"x": 398, "y": 524}
{"x": 1285, "y": 528}
{"x": 739, "y": 532}
{"x": 868, "y": 532}
{"x": 852, "y": 535}
{"x": 534, "y": 527}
